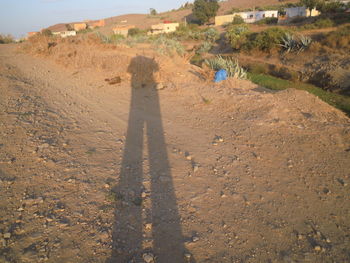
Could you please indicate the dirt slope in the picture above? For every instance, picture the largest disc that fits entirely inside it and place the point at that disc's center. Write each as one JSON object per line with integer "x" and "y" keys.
{"x": 92, "y": 172}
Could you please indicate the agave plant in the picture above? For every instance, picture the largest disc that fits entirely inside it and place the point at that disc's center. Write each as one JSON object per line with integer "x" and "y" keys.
{"x": 304, "y": 42}
{"x": 231, "y": 66}
{"x": 289, "y": 43}
{"x": 292, "y": 44}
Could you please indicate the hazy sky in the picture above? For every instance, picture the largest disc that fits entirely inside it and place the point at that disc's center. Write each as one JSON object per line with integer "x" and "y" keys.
{"x": 17, "y": 17}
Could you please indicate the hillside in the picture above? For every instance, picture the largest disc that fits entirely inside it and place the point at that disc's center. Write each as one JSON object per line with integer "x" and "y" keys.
{"x": 145, "y": 21}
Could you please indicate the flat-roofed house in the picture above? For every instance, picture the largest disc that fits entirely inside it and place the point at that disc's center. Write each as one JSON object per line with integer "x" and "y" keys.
{"x": 65, "y": 34}
{"x": 248, "y": 17}
{"x": 79, "y": 26}
{"x": 300, "y": 11}
{"x": 165, "y": 27}
{"x": 122, "y": 30}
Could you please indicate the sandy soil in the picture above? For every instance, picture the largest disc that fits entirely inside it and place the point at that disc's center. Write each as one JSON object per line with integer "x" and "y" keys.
{"x": 193, "y": 172}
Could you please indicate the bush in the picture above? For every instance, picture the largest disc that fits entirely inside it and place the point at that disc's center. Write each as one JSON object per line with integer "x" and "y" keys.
{"x": 186, "y": 32}
{"x": 211, "y": 34}
{"x": 298, "y": 19}
{"x": 136, "y": 31}
{"x": 46, "y": 32}
{"x": 236, "y": 35}
{"x": 116, "y": 38}
{"x": 339, "y": 38}
{"x": 330, "y": 7}
{"x": 6, "y": 39}
{"x": 319, "y": 23}
{"x": 84, "y": 31}
{"x": 269, "y": 39}
{"x": 258, "y": 68}
{"x": 267, "y": 21}
{"x": 285, "y": 73}
{"x": 205, "y": 47}
{"x": 237, "y": 20}
{"x": 197, "y": 60}
{"x": 167, "y": 46}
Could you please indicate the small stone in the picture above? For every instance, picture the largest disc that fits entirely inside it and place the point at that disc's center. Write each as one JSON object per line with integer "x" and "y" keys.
{"x": 317, "y": 248}
{"x": 195, "y": 168}
{"x": 106, "y": 185}
{"x": 328, "y": 240}
{"x": 148, "y": 257}
{"x": 20, "y": 209}
{"x": 7, "y": 235}
{"x": 195, "y": 239}
{"x": 187, "y": 256}
{"x": 148, "y": 226}
{"x": 188, "y": 156}
{"x": 219, "y": 139}
{"x": 160, "y": 86}
{"x": 300, "y": 237}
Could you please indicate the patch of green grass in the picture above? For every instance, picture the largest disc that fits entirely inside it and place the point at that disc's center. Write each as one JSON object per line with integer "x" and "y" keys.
{"x": 339, "y": 101}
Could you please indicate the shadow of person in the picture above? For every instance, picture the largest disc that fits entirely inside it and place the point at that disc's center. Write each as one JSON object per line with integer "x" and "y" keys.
{"x": 146, "y": 217}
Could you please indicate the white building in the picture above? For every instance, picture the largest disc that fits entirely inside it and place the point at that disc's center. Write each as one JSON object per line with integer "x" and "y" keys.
{"x": 163, "y": 28}
{"x": 65, "y": 33}
{"x": 248, "y": 17}
{"x": 300, "y": 11}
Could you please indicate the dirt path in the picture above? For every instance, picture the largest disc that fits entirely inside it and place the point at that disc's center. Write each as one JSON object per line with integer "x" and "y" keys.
{"x": 91, "y": 172}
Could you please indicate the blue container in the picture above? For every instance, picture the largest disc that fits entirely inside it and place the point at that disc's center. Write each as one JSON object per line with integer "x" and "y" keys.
{"x": 220, "y": 75}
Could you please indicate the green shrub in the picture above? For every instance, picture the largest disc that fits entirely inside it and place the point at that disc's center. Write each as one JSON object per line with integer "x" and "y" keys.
{"x": 116, "y": 38}
{"x": 187, "y": 32}
{"x": 46, "y": 32}
{"x": 339, "y": 38}
{"x": 330, "y": 6}
{"x": 211, "y": 34}
{"x": 237, "y": 20}
{"x": 267, "y": 21}
{"x": 258, "y": 68}
{"x": 269, "y": 39}
{"x": 167, "y": 46}
{"x": 6, "y": 39}
{"x": 341, "y": 18}
{"x": 136, "y": 31}
{"x": 205, "y": 47}
{"x": 197, "y": 60}
{"x": 319, "y": 23}
{"x": 298, "y": 19}
{"x": 324, "y": 22}
{"x": 236, "y": 35}
{"x": 84, "y": 31}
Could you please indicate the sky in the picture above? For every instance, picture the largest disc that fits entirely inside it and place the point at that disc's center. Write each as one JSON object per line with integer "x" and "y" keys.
{"x": 17, "y": 17}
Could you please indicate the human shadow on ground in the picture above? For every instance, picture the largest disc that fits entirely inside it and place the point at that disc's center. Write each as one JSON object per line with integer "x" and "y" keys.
{"x": 146, "y": 217}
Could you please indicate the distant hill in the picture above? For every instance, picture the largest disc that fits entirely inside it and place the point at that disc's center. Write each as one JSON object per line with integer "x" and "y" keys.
{"x": 144, "y": 21}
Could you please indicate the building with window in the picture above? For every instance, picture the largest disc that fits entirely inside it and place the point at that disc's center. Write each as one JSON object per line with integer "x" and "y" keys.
{"x": 248, "y": 17}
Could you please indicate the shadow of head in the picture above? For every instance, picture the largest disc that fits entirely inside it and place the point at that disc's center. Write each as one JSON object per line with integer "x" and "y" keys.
{"x": 143, "y": 72}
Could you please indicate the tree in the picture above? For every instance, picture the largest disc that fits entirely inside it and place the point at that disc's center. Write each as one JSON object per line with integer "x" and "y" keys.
{"x": 152, "y": 12}
{"x": 310, "y": 4}
{"x": 203, "y": 10}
